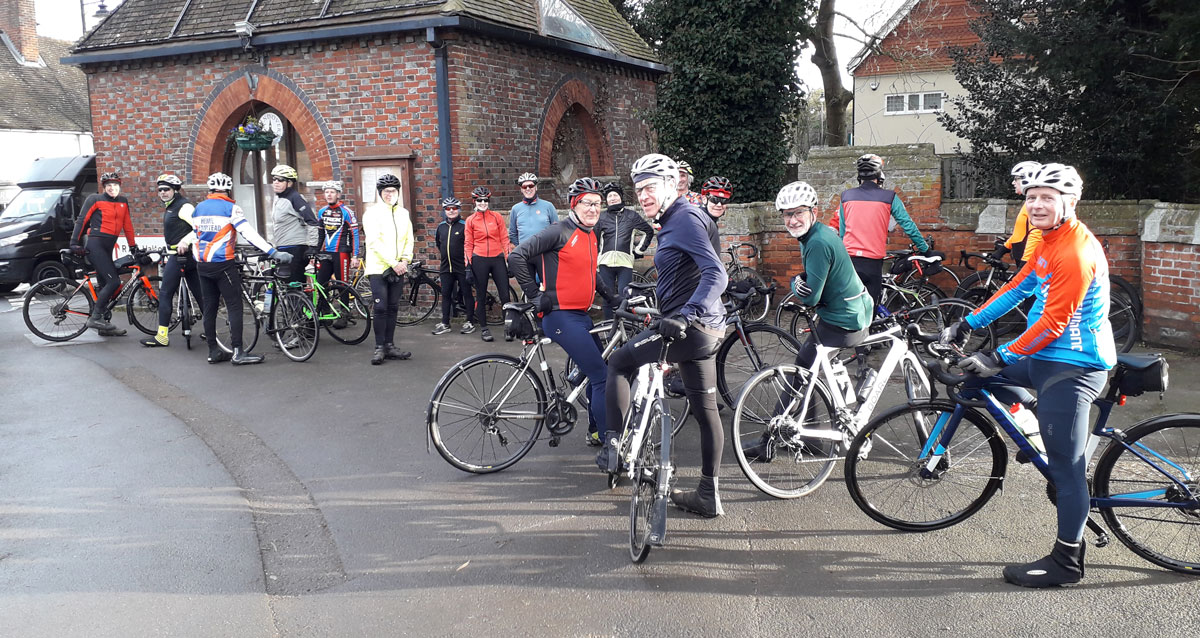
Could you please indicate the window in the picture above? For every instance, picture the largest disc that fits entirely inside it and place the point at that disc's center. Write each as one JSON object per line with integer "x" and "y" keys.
{"x": 561, "y": 21}
{"x": 909, "y": 103}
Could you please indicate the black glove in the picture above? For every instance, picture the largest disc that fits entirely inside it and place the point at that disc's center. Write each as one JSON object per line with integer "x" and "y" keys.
{"x": 470, "y": 275}
{"x": 78, "y": 251}
{"x": 983, "y": 364}
{"x": 282, "y": 257}
{"x": 800, "y": 286}
{"x": 608, "y": 298}
{"x": 673, "y": 328}
{"x": 542, "y": 303}
{"x": 954, "y": 333}
{"x": 1000, "y": 252}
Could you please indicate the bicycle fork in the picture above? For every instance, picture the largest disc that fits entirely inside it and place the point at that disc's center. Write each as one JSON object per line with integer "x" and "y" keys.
{"x": 658, "y": 523}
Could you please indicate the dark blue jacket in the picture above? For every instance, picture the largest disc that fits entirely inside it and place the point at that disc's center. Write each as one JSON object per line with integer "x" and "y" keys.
{"x": 691, "y": 277}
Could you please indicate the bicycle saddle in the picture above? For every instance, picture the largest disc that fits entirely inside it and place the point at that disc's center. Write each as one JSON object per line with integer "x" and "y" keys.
{"x": 1138, "y": 361}
{"x": 641, "y": 286}
{"x": 932, "y": 258}
{"x": 519, "y": 306}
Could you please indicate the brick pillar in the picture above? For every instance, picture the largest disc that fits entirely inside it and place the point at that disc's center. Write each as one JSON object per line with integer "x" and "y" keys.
{"x": 19, "y": 22}
{"x": 1170, "y": 261}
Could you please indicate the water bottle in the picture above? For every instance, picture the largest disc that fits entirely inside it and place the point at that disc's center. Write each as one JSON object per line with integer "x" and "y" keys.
{"x": 841, "y": 377}
{"x": 267, "y": 298}
{"x": 575, "y": 376}
{"x": 1027, "y": 423}
{"x": 864, "y": 386}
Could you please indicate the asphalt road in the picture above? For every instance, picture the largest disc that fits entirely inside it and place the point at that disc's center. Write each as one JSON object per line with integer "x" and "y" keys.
{"x": 146, "y": 493}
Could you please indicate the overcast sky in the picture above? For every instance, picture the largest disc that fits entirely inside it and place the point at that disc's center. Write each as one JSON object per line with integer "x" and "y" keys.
{"x": 61, "y": 19}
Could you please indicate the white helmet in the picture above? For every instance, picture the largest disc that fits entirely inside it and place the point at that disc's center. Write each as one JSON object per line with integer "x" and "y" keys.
{"x": 1062, "y": 178}
{"x": 334, "y": 184}
{"x": 527, "y": 177}
{"x": 795, "y": 195}
{"x": 220, "y": 182}
{"x": 655, "y": 165}
{"x": 1021, "y": 169}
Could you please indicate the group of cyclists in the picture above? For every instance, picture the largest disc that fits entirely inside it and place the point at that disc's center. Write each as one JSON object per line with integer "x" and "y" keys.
{"x": 562, "y": 265}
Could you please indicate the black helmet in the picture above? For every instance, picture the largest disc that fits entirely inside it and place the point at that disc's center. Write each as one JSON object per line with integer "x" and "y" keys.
{"x": 583, "y": 185}
{"x": 451, "y": 202}
{"x": 387, "y": 180}
{"x": 869, "y": 166}
{"x": 482, "y": 192}
{"x": 613, "y": 187}
{"x": 114, "y": 177}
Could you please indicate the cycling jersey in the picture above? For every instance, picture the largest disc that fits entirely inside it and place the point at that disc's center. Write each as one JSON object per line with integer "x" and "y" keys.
{"x": 177, "y": 220}
{"x": 338, "y": 232}
{"x": 450, "y": 237}
{"x": 1024, "y": 238}
{"x": 527, "y": 219}
{"x": 291, "y": 219}
{"x": 486, "y": 236}
{"x": 388, "y": 232}
{"x": 104, "y": 215}
{"x": 1068, "y": 274}
{"x": 693, "y": 197}
{"x": 564, "y": 256}
{"x": 714, "y": 232}
{"x": 616, "y": 237}
{"x": 691, "y": 277}
{"x": 863, "y": 220}
{"x": 217, "y": 222}
{"x": 837, "y": 293}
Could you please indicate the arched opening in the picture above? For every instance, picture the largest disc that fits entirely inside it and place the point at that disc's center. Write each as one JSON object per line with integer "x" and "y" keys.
{"x": 572, "y": 144}
{"x": 251, "y": 169}
{"x": 570, "y": 158}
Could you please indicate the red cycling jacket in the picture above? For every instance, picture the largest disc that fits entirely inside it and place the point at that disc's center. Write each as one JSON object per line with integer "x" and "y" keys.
{"x": 565, "y": 256}
{"x": 104, "y": 215}
{"x": 486, "y": 235}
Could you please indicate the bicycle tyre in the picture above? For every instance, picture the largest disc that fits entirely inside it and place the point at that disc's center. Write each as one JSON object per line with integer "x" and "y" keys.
{"x": 294, "y": 326}
{"x": 141, "y": 306}
{"x": 344, "y": 301}
{"x": 972, "y": 281}
{"x": 456, "y": 429}
{"x": 1122, "y": 285}
{"x": 647, "y": 471}
{"x": 1156, "y": 534}
{"x": 767, "y": 346}
{"x": 914, "y": 276}
{"x": 57, "y": 309}
{"x": 759, "y": 305}
{"x": 882, "y": 463}
{"x": 796, "y": 466}
{"x": 1124, "y": 321}
{"x": 418, "y": 303}
{"x": 250, "y": 322}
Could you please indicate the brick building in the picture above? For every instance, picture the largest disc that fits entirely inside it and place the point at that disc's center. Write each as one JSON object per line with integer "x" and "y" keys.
{"x": 448, "y": 95}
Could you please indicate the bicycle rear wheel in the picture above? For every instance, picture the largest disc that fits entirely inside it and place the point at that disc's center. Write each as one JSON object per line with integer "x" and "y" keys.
{"x": 353, "y": 322}
{"x": 792, "y": 465}
{"x": 417, "y": 303}
{"x": 647, "y": 472}
{"x": 486, "y": 413}
{"x": 1168, "y": 537}
{"x": 250, "y": 327}
{"x": 1124, "y": 319}
{"x": 738, "y": 360}
{"x": 294, "y": 326}
{"x": 57, "y": 309}
{"x": 760, "y": 305}
{"x": 141, "y": 306}
{"x": 890, "y": 482}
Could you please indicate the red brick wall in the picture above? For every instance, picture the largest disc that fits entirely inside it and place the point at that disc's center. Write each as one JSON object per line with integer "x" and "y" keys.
{"x": 1170, "y": 293}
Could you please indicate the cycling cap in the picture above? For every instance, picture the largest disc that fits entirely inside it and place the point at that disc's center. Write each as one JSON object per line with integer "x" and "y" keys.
{"x": 795, "y": 195}
{"x": 220, "y": 182}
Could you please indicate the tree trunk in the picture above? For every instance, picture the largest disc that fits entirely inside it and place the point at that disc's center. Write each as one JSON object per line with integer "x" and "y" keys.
{"x": 837, "y": 98}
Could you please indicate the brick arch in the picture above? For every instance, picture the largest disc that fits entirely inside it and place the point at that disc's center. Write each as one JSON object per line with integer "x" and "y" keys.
{"x": 570, "y": 92}
{"x": 231, "y": 100}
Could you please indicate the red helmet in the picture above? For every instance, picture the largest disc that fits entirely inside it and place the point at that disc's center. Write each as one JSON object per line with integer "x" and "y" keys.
{"x": 717, "y": 185}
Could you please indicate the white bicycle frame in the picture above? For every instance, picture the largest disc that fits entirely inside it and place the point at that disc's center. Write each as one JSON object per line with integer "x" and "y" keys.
{"x": 649, "y": 386}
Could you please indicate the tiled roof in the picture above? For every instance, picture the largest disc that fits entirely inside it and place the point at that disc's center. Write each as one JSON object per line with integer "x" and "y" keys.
{"x": 149, "y": 22}
{"x": 50, "y": 98}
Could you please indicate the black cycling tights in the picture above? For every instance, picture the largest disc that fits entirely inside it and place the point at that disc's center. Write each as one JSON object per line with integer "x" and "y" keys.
{"x": 176, "y": 268}
{"x": 100, "y": 250}
{"x": 219, "y": 281}
{"x": 697, "y": 367}
{"x": 483, "y": 268}
{"x": 386, "y": 299}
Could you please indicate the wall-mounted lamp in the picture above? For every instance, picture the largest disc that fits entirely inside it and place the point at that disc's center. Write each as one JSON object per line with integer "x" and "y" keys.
{"x": 244, "y": 31}
{"x": 874, "y": 83}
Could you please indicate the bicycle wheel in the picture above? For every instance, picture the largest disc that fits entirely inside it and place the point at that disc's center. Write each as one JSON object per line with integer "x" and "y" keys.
{"x": 141, "y": 306}
{"x": 740, "y": 357}
{"x": 760, "y": 305}
{"x": 294, "y": 326}
{"x": 362, "y": 286}
{"x": 1125, "y": 322}
{"x": 250, "y": 327}
{"x": 890, "y": 482}
{"x": 651, "y": 273}
{"x": 486, "y": 413}
{"x": 1121, "y": 286}
{"x": 954, "y": 309}
{"x": 417, "y": 303}
{"x": 794, "y": 465}
{"x": 647, "y": 470}
{"x": 353, "y": 322}
{"x": 1168, "y": 537}
{"x": 949, "y": 280}
{"x": 898, "y": 298}
{"x": 57, "y": 309}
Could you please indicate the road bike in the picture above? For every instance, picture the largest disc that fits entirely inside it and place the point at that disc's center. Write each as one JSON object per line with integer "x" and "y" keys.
{"x": 751, "y": 346}
{"x": 271, "y": 304}
{"x": 57, "y": 309}
{"x": 185, "y": 308}
{"x": 741, "y": 279}
{"x": 933, "y": 464}
{"x": 339, "y": 308}
{"x": 424, "y": 291}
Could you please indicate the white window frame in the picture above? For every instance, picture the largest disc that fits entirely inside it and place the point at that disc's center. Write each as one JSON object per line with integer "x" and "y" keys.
{"x": 920, "y": 95}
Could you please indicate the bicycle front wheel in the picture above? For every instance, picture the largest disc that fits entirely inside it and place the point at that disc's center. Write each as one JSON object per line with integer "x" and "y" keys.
{"x": 294, "y": 326}
{"x": 647, "y": 472}
{"x": 784, "y": 463}
{"x": 417, "y": 303}
{"x": 891, "y": 482}
{"x": 741, "y": 357}
{"x": 57, "y": 309}
{"x": 1166, "y": 536}
{"x": 353, "y": 321}
{"x": 142, "y": 304}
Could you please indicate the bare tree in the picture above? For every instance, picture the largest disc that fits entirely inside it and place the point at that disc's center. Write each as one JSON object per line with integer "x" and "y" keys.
{"x": 837, "y": 97}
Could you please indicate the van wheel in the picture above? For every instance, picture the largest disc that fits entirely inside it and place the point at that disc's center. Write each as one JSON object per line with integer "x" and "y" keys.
{"x": 7, "y": 288}
{"x": 48, "y": 269}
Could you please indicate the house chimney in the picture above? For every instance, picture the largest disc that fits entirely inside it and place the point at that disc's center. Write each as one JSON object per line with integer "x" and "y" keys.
{"x": 19, "y": 22}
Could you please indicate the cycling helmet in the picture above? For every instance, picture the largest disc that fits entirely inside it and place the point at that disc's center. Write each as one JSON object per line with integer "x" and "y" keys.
{"x": 387, "y": 180}
{"x": 869, "y": 166}
{"x": 527, "y": 177}
{"x": 717, "y": 185}
{"x": 285, "y": 171}
{"x": 795, "y": 195}
{"x": 687, "y": 168}
{"x": 482, "y": 192}
{"x": 220, "y": 182}
{"x": 451, "y": 202}
{"x": 167, "y": 179}
{"x": 654, "y": 165}
{"x": 613, "y": 187}
{"x": 334, "y": 184}
{"x": 1062, "y": 178}
{"x": 581, "y": 187}
{"x": 113, "y": 177}
{"x": 1021, "y": 169}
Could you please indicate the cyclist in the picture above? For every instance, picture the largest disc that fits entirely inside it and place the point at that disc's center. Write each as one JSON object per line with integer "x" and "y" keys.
{"x": 564, "y": 255}
{"x": 389, "y": 236}
{"x": 828, "y": 284}
{"x": 1024, "y": 237}
{"x": 451, "y": 241}
{"x": 1065, "y": 353}
{"x": 863, "y": 224}
{"x": 217, "y": 221}
{"x": 291, "y": 218}
{"x": 617, "y": 250}
{"x": 530, "y": 215}
{"x": 690, "y": 282}
{"x": 716, "y": 192}
{"x": 337, "y": 236}
{"x": 486, "y": 248}
{"x": 177, "y": 223}
{"x": 105, "y": 215}
{"x": 683, "y": 188}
